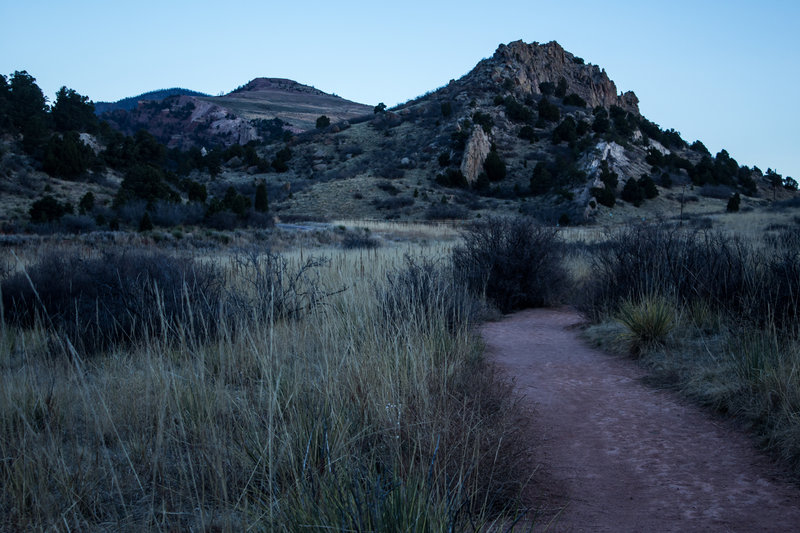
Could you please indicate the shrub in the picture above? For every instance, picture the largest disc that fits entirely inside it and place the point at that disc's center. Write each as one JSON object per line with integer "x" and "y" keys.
{"x": 423, "y": 288}
{"x": 261, "y": 203}
{"x": 757, "y": 285}
{"x": 565, "y": 131}
{"x": 548, "y": 111}
{"x": 547, "y": 88}
{"x": 604, "y": 196}
{"x": 648, "y": 187}
{"x": 632, "y": 192}
{"x": 86, "y": 203}
{"x": 396, "y": 202}
{"x": 494, "y": 166}
{"x": 575, "y": 100}
{"x": 515, "y": 263}
{"x": 145, "y": 224}
{"x": 541, "y": 180}
{"x": 275, "y": 289}
{"x": 733, "y": 203}
{"x": 648, "y": 322}
{"x": 119, "y": 297}
{"x": 527, "y": 133}
{"x": 363, "y": 240}
{"x": 517, "y": 111}
{"x": 48, "y": 209}
{"x": 452, "y": 177}
{"x": 447, "y": 109}
{"x": 147, "y": 183}
{"x": 282, "y": 157}
{"x": 323, "y": 122}
{"x": 67, "y": 156}
{"x": 484, "y": 120}
{"x": 561, "y": 88}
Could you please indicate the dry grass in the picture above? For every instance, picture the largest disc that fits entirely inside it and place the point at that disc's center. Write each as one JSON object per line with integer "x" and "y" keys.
{"x": 349, "y": 418}
{"x": 739, "y": 356}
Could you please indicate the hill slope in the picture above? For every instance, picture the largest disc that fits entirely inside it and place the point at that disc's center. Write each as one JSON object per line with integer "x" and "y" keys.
{"x": 532, "y": 129}
{"x": 246, "y": 114}
{"x": 130, "y": 103}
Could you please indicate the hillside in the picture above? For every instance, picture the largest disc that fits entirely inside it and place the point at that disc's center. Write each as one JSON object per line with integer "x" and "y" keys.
{"x": 532, "y": 129}
{"x": 296, "y": 104}
{"x": 130, "y": 103}
{"x": 246, "y": 114}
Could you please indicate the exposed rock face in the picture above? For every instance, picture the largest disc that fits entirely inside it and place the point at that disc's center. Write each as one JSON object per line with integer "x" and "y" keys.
{"x": 528, "y": 65}
{"x": 185, "y": 121}
{"x": 475, "y": 153}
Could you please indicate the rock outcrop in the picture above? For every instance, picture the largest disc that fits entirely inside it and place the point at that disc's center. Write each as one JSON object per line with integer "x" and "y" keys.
{"x": 475, "y": 152}
{"x": 526, "y": 66}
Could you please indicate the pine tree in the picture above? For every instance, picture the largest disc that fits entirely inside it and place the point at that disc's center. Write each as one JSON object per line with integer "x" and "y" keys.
{"x": 261, "y": 202}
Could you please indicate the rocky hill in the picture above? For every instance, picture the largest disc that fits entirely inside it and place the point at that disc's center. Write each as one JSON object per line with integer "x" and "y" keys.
{"x": 246, "y": 114}
{"x": 532, "y": 129}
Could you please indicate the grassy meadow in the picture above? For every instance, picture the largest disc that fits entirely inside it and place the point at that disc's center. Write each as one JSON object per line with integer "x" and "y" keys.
{"x": 332, "y": 378}
{"x": 325, "y": 389}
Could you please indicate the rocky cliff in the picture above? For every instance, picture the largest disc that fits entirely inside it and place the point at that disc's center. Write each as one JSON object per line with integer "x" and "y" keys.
{"x": 526, "y": 66}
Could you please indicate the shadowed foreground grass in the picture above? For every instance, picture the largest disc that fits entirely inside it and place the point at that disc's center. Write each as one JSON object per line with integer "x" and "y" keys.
{"x": 350, "y": 417}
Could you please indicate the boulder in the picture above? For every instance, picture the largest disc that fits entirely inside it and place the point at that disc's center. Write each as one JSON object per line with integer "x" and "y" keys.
{"x": 477, "y": 148}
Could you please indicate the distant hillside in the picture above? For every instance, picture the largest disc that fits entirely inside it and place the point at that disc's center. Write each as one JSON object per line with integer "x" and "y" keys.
{"x": 533, "y": 129}
{"x": 246, "y": 114}
{"x": 131, "y": 102}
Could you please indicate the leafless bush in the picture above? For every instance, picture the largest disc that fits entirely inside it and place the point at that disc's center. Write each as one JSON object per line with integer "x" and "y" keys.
{"x": 514, "y": 262}
{"x": 273, "y": 288}
{"x": 423, "y": 288}
{"x": 118, "y": 297}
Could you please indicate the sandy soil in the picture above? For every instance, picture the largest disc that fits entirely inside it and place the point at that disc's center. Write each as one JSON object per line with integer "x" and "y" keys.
{"x": 618, "y": 455}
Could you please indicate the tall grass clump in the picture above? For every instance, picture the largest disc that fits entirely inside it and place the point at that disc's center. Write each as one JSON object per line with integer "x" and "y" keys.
{"x": 647, "y": 322}
{"x": 514, "y": 262}
{"x": 346, "y": 415}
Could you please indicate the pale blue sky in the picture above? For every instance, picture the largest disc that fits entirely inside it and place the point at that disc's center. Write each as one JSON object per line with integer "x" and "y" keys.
{"x": 722, "y": 72}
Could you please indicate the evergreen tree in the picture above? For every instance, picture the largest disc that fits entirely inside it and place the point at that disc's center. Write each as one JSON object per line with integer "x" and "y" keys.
{"x": 561, "y": 88}
{"x": 632, "y": 192}
{"x": 323, "y": 122}
{"x": 86, "y": 204}
{"x": 542, "y": 180}
{"x": 5, "y": 95}
{"x": 27, "y": 102}
{"x": 261, "y": 203}
{"x": 494, "y": 166}
{"x": 733, "y": 203}
{"x": 71, "y": 111}
{"x": 145, "y": 224}
{"x": 67, "y": 156}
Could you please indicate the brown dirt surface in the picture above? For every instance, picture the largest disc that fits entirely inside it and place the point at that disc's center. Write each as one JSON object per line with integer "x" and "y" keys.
{"x": 618, "y": 455}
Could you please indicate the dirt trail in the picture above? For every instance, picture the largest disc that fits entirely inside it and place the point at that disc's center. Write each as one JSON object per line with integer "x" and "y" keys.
{"x": 626, "y": 457}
